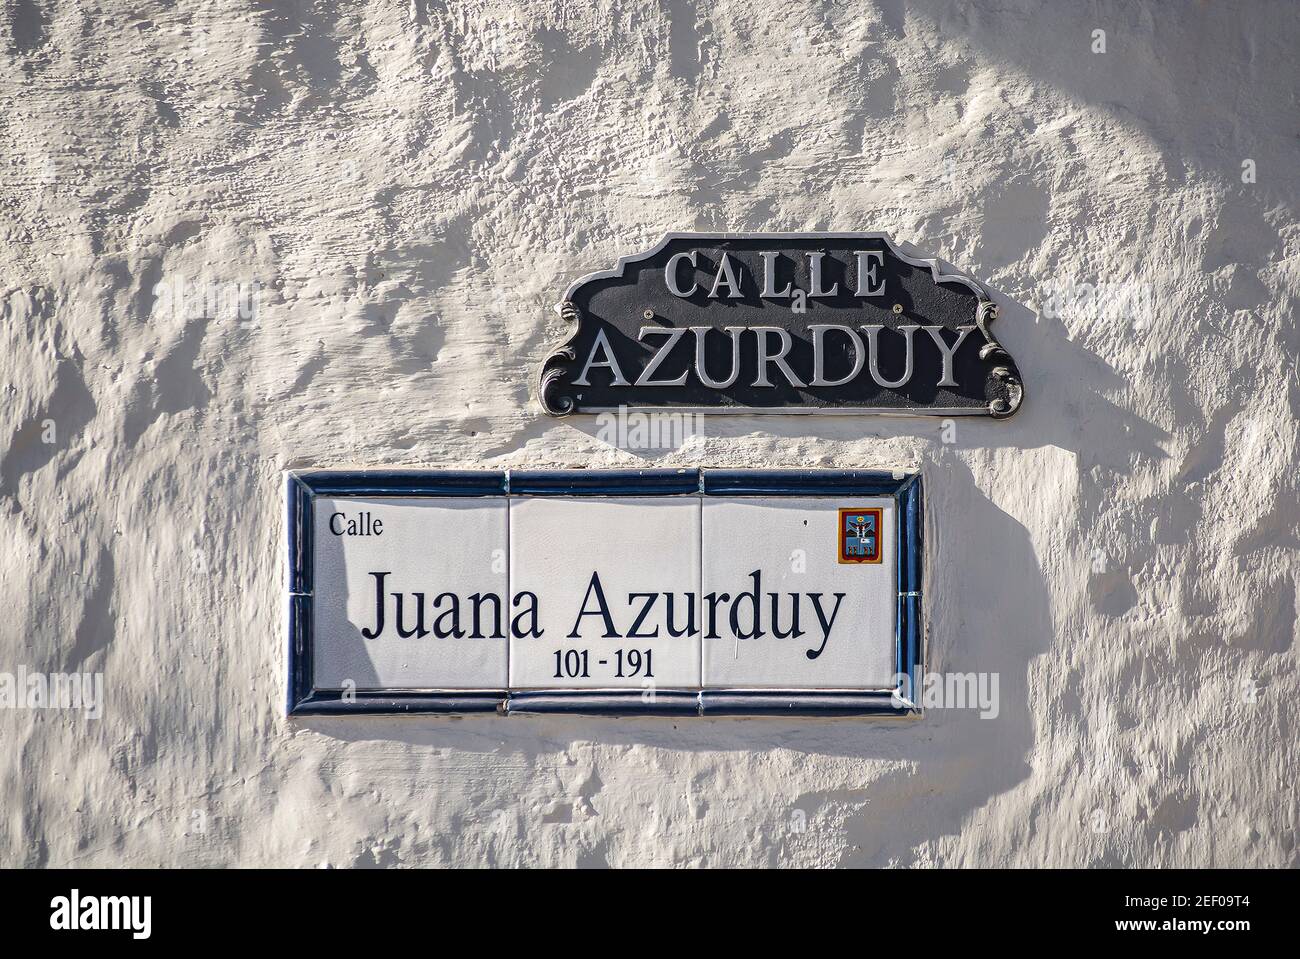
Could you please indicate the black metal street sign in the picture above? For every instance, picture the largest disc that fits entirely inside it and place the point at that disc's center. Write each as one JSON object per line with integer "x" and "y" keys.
{"x": 780, "y": 323}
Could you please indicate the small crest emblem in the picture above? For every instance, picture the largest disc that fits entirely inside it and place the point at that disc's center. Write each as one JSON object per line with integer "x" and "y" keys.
{"x": 860, "y": 531}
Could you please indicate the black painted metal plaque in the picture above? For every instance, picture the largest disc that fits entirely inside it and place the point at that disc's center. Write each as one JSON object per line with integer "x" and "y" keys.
{"x": 780, "y": 323}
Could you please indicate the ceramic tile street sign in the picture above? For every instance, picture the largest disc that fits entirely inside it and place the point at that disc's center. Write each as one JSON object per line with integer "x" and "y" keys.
{"x": 780, "y": 323}
{"x": 616, "y": 581}
{"x": 670, "y": 591}
{"x": 793, "y": 606}
{"x": 410, "y": 592}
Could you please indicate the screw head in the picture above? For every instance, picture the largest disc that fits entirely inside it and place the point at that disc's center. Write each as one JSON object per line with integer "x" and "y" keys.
{"x": 648, "y": 315}
{"x": 898, "y": 308}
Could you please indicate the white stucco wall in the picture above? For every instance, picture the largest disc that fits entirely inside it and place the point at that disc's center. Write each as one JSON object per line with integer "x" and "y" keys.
{"x": 411, "y": 186}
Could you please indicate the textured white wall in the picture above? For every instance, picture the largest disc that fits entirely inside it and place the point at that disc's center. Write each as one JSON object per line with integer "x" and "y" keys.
{"x": 410, "y": 185}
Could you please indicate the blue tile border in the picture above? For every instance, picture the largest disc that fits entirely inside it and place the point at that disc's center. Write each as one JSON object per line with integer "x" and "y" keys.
{"x": 718, "y": 482}
{"x": 403, "y": 482}
{"x": 333, "y": 703}
{"x": 798, "y": 703}
{"x": 302, "y": 487}
{"x": 656, "y": 482}
{"x": 621, "y": 702}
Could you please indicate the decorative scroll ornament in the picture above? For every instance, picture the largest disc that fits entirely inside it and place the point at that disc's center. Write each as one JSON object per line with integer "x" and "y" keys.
{"x": 780, "y": 323}
{"x": 551, "y": 390}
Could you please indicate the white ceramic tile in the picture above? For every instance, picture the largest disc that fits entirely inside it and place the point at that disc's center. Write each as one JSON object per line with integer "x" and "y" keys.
{"x": 646, "y": 545}
{"x": 429, "y": 546}
{"x": 793, "y": 545}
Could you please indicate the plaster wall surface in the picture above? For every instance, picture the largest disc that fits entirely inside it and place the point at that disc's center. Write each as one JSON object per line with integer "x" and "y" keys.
{"x": 406, "y": 188}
